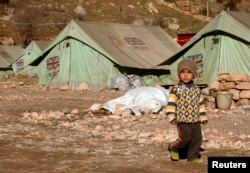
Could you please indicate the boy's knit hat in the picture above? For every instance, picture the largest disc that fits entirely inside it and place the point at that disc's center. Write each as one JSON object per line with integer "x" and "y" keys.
{"x": 187, "y": 64}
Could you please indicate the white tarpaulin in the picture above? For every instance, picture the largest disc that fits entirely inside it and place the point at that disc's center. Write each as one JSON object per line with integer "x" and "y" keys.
{"x": 139, "y": 99}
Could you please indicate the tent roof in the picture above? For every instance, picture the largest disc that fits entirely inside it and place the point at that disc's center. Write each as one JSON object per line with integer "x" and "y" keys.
{"x": 243, "y": 17}
{"x": 8, "y": 54}
{"x": 35, "y": 45}
{"x": 41, "y": 43}
{"x": 225, "y": 22}
{"x": 125, "y": 44}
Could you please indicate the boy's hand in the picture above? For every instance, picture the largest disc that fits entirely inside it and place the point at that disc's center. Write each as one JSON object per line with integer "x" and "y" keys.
{"x": 204, "y": 122}
{"x": 174, "y": 122}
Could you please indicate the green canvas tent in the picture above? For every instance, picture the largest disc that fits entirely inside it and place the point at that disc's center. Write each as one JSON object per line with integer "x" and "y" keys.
{"x": 222, "y": 46}
{"x": 31, "y": 52}
{"x": 8, "y": 54}
{"x": 94, "y": 53}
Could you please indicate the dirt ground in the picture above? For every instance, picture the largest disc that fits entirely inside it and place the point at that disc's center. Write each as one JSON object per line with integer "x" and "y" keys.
{"x": 91, "y": 142}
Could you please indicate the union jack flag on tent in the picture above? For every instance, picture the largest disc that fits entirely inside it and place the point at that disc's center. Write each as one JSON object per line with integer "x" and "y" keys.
{"x": 20, "y": 65}
{"x": 53, "y": 64}
{"x": 198, "y": 59}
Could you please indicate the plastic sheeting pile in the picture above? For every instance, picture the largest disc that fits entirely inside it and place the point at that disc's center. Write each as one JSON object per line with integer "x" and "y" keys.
{"x": 137, "y": 100}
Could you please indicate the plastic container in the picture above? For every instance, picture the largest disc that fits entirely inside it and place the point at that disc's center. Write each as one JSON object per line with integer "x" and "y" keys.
{"x": 224, "y": 99}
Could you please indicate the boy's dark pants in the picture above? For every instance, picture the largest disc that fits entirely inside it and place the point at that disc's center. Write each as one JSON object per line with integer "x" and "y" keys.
{"x": 190, "y": 137}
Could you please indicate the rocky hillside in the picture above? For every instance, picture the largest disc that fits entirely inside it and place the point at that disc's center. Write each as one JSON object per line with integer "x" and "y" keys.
{"x": 27, "y": 20}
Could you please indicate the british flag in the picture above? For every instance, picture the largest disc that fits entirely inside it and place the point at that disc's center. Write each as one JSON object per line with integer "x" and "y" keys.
{"x": 20, "y": 65}
{"x": 198, "y": 59}
{"x": 53, "y": 64}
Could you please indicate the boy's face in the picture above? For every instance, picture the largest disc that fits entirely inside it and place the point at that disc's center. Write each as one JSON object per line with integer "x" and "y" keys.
{"x": 186, "y": 76}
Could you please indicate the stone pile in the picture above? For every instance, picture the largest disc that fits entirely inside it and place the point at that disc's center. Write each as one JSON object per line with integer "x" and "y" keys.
{"x": 237, "y": 84}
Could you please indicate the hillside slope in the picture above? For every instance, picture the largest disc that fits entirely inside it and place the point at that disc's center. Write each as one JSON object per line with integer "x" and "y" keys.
{"x": 29, "y": 20}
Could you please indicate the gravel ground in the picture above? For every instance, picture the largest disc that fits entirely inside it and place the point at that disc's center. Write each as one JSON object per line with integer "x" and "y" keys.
{"x": 47, "y": 130}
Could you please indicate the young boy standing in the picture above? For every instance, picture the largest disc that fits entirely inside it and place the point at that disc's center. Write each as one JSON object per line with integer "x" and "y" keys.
{"x": 186, "y": 110}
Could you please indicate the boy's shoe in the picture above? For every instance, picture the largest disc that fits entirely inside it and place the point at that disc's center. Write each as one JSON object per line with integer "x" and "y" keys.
{"x": 169, "y": 148}
{"x": 196, "y": 160}
{"x": 201, "y": 149}
{"x": 174, "y": 155}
